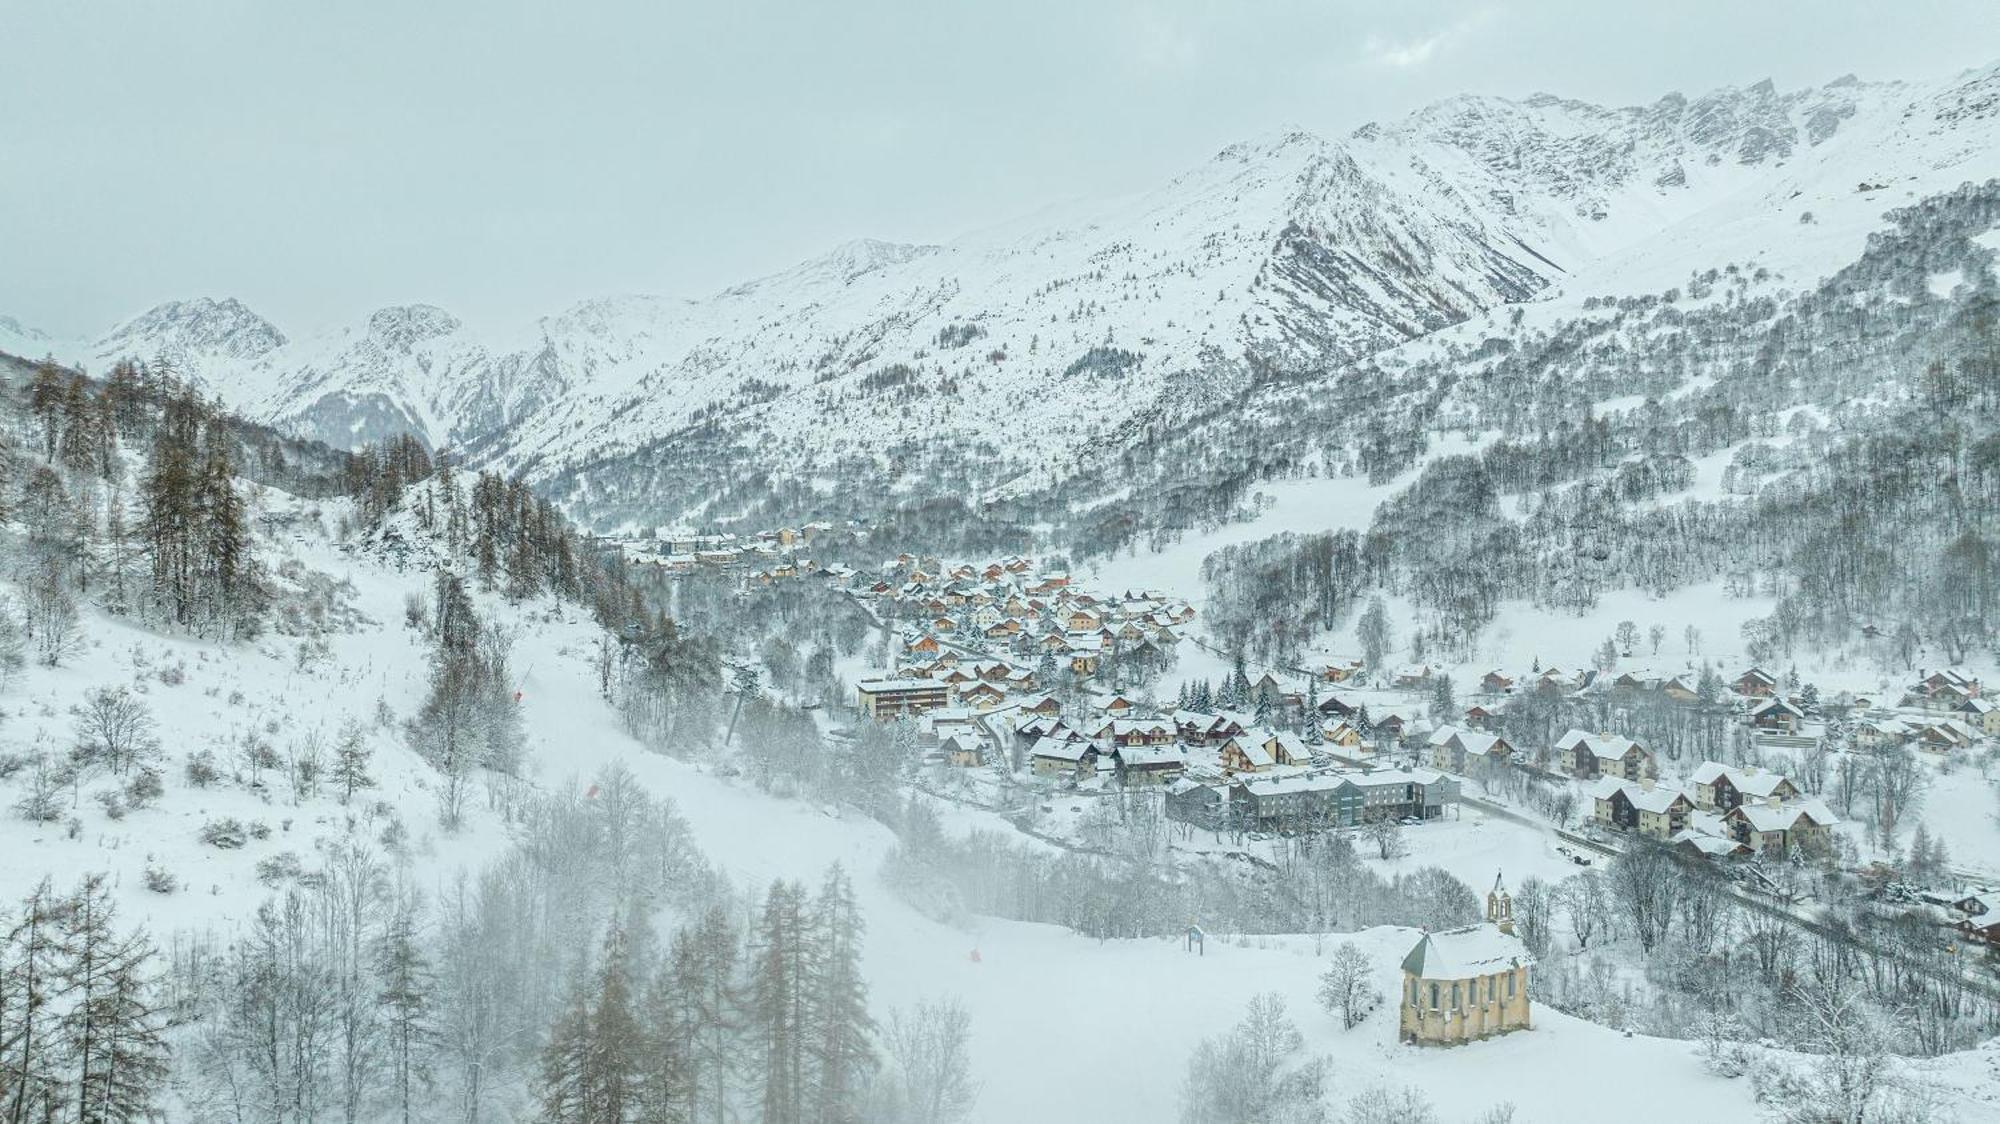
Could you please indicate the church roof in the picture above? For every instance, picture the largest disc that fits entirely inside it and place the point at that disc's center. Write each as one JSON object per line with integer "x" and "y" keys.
{"x": 1459, "y": 954}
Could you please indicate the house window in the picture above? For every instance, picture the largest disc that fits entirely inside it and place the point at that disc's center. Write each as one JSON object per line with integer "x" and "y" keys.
{"x": 1454, "y": 995}
{"x": 1512, "y": 977}
{"x": 1434, "y": 997}
{"x": 1415, "y": 999}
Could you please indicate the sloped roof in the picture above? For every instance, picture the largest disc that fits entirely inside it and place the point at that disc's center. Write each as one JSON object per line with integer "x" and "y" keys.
{"x": 1461, "y": 954}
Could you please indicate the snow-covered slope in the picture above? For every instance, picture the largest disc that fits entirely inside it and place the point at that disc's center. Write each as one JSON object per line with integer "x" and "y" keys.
{"x": 1076, "y": 328}
{"x": 25, "y": 340}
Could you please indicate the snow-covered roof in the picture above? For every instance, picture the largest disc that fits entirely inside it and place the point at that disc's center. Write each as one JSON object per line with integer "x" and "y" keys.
{"x": 1749, "y": 782}
{"x": 1708, "y": 844}
{"x": 1784, "y": 817}
{"x": 1461, "y": 954}
{"x": 1060, "y": 749}
{"x": 1610, "y": 746}
{"x": 1141, "y": 756}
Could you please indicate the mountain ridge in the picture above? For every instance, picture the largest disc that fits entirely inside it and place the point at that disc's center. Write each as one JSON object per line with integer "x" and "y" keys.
{"x": 1285, "y": 252}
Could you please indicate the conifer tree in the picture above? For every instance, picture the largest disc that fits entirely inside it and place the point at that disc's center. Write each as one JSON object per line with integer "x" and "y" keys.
{"x": 780, "y": 995}
{"x": 839, "y": 1038}
{"x": 350, "y": 761}
{"x": 407, "y": 989}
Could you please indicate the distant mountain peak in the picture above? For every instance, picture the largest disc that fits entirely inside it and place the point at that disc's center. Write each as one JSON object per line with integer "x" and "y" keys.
{"x": 195, "y": 330}
{"x": 403, "y": 326}
{"x": 14, "y": 328}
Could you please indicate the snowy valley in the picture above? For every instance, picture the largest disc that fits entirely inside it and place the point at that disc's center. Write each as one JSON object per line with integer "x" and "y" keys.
{"x": 1471, "y": 620}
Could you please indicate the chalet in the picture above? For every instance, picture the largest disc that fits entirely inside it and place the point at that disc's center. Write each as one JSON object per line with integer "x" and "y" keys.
{"x": 1341, "y": 735}
{"x": 1588, "y": 756}
{"x": 983, "y": 696}
{"x": 1033, "y": 728}
{"x": 892, "y": 698}
{"x": 1285, "y": 747}
{"x": 1780, "y": 829}
{"x": 1985, "y": 930}
{"x": 1047, "y": 706}
{"x": 1338, "y": 707}
{"x": 1049, "y": 583}
{"x": 1196, "y": 728}
{"x": 1205, "y": 806}
{"x": 961, "y": 750}
{"x": 1142, "y": 766}
{"x": 1642, "y": 808}
{"x": 1496, "y": 683}
{"x": 1267, "y": 687}
{"x": 1462, "y": 985}
{"x": 1946, "y": 736}
{"x": 1755, "y": 683}
{"x": 1391, "y": 724}
{"x": 1639, "y": 679}
{"x": 1481, "y": 717}
{"x": 1984, "y": 904}
{"x": 1719, "y": 787}
{"x": 1126, "y": 733}
{"x": 1051, "y": 757}
{"x": 1338, "y": 669}
{"x": 1981, "y": 715}
{"x": 1244, "y": 754}
{"x": 922, "y": 646}
{"x": 1776, "y": 715}
{"x": 1118, "y": 706}
{"x": 1680, "y": 690}
{"x": 1454, "y": 750}
{"x": 1556, "y": 681}
{"x": 1414, "y": 676}
{"x": 1946, "y": 688}
{"x": 1871, "y": 732}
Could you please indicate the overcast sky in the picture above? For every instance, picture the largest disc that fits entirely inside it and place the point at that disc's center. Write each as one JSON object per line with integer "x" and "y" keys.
{"x": 321, "y": 158}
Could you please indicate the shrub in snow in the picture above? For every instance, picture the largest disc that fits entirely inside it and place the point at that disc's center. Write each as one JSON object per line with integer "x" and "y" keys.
{"x": 42, "y": 800}
{"x": 145, "y": 787}
{"x": 174, "y": 674}
{"x": 260, "y": 830}
{"x": 11, "y": 763}
{"x": 227, "y": 833}
{"x": 112, "y": 801}
{"x": 160, "y": 880}
{"x": 281, "y": 867}
{"x": 200, "y": 769}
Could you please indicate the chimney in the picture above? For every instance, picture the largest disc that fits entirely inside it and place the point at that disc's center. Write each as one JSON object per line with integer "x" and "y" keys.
{"x": 1646, "y": 784}
{"x": 1772, "y": 801}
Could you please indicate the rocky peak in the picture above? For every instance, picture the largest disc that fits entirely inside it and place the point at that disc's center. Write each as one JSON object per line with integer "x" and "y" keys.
{"x": 402, "y": 327}
{"x": 201, "y": 328}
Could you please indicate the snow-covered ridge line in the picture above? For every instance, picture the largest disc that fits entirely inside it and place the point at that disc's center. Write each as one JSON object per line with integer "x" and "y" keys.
{"x": 1290, "y": 252}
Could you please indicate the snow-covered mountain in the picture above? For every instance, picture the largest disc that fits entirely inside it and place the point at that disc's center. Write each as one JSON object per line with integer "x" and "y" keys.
{"x": 17, "y": 338}
{"x": 1075, "y": 330}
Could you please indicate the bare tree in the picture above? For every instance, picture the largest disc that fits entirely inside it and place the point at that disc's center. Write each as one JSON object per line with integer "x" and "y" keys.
{"x": 931, "y": 1046}
{"x": 114, "y": 730}
{"x": 1345, "y": 988}
{"x": 1387, "y": 835}
{"x": 1588, "y": 904}
{"x": 1382, "y": 1105}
